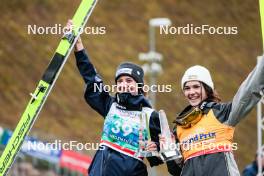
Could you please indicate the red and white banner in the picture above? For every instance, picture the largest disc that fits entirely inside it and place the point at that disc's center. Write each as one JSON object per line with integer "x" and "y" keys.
{"x": 75, "y": 161}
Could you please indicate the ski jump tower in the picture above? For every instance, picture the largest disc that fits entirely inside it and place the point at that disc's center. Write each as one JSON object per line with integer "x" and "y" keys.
{"x": 260, "y": 127}
{"x": 260, "y": 114}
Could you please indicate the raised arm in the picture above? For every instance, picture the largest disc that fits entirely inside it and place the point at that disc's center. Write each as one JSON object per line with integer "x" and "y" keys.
{"x": 248, "y": 94}
{"x": 98, "y": 99}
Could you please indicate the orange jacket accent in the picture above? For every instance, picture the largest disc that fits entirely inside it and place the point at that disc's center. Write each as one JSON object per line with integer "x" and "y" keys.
{"x": 205, "y": 137}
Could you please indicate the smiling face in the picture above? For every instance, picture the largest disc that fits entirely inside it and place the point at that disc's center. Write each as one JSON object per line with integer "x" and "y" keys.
{"x": 126, "y": 84}
{"x": 194, "y": 92}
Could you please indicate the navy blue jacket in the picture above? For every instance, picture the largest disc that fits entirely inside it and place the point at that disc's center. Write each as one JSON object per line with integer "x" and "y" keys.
{"x": 251, "y": 170}
{"x": 109, "y": 161}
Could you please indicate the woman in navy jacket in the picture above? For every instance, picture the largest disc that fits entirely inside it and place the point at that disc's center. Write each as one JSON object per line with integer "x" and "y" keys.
{"x": 120, "y": 137}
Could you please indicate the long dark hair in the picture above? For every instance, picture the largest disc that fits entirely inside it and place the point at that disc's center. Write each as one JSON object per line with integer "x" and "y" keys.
{"x": 212, "y": 95}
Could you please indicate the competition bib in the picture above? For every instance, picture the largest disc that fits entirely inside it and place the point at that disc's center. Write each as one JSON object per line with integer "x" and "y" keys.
{"x": 121, "y": 131}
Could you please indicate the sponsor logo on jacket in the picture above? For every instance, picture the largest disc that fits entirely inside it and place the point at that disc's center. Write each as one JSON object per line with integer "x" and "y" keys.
{"x": 199, "y": 137}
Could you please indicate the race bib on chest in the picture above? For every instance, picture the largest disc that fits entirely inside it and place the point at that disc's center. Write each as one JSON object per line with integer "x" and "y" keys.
{"x": 121, "y": 130}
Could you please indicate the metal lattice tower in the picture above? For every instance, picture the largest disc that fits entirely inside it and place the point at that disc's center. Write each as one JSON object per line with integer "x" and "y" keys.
{"x": 260, "y": 127}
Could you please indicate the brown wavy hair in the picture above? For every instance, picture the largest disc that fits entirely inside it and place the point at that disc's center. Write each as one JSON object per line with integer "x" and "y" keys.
{"x": 212, "y": 95}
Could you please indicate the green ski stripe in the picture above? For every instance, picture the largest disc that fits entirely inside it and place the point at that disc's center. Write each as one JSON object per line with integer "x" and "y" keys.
{"x": 23, "y": 127}
{"x": 261, "y": 8}
{"x": 44, "y": 87}
{"x": 77, "y": 19}
{"x": 81, "y": 14}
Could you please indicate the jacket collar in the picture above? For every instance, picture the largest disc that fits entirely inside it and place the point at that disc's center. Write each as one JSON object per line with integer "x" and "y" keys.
{"x": 127, "y": 101}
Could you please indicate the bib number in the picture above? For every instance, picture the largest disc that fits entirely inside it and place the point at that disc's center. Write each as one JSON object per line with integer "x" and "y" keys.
{"x": 118, "y": 126}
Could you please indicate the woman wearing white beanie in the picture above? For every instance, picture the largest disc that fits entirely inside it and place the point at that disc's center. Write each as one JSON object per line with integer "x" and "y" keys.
{"x": 205, "y": 128}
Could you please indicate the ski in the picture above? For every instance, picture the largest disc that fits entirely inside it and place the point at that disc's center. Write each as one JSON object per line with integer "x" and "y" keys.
{"x": 45, "y": 85}
{"x": 261, "y": 9}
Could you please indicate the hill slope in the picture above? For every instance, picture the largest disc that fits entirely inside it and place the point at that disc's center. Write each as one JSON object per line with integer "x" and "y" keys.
{"x": 24, "y": 57}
